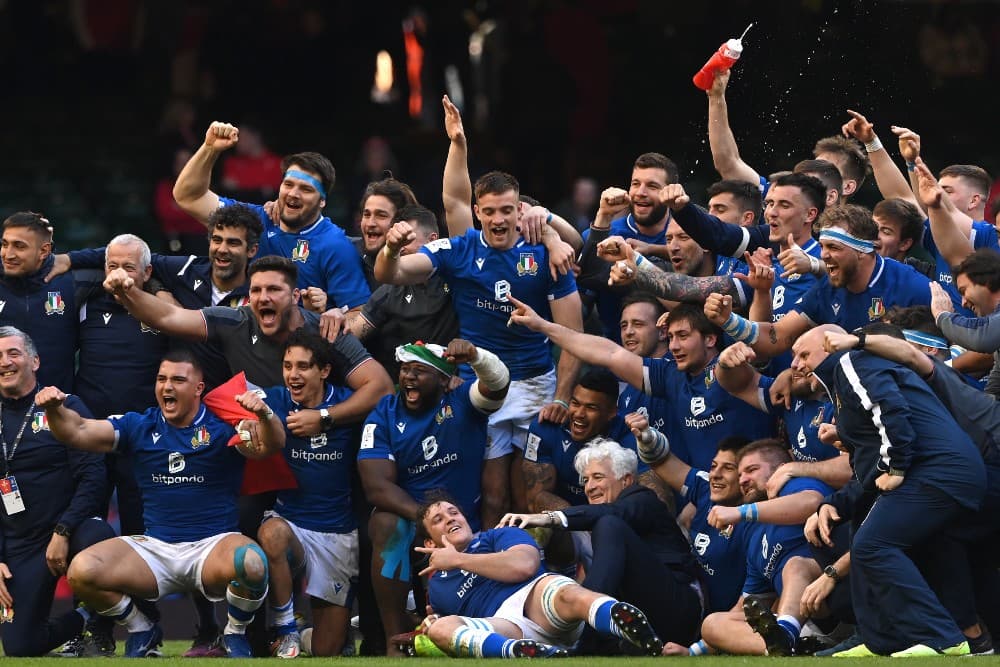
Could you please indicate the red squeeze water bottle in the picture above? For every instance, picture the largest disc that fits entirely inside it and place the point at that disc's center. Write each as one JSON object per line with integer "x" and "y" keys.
{"x": 723, "y": 59}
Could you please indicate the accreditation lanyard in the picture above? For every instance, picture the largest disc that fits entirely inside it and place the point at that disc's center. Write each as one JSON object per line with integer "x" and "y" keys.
{"x": 8, "y": 457}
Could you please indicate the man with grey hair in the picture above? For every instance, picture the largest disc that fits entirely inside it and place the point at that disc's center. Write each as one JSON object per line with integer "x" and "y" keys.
{"x": 48, "y": 493}
{"x": 640, "y": 553}
{"x": 118, "y": 360}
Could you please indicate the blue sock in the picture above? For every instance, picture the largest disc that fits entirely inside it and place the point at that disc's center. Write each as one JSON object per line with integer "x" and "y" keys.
{"x": 496, "y": 646}
{"x": 791, "y": 626}
{"x": 475, "y": 642}
{"x": 600, "y": 616}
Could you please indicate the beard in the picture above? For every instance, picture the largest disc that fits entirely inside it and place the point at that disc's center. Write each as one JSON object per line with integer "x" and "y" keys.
{"x": 656, "y": 215}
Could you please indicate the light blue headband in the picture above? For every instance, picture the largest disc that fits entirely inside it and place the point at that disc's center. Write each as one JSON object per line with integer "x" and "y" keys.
{"x": 311, "y": 180}
{"x": 924, "y": 339}
{"x": 853, "y": 242}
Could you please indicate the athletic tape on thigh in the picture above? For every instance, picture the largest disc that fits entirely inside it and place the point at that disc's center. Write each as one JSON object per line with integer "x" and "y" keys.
{"x": 552, "y": 587}
{"x": 396, "y": 554}
{"x": 239, "y": 558}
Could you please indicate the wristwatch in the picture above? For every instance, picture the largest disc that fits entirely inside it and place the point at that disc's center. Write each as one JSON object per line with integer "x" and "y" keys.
{"x": 61, "y": 530}
{"x": 831, "y": 572}
{"x": 325, "y": 420}
{"x": 893, "y": 472}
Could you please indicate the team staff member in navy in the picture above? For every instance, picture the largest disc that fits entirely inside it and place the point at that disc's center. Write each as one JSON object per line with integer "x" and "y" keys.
{"x": 190, "y": 479}
{"x": 303, "y": 234}
{"x": 905, "y": 447}
{"x": 50, "y": 495}
{"x": 220, "y": 279}
{"x": 46, "y": 311}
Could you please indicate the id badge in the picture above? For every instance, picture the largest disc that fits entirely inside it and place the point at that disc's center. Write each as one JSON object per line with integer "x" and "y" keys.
{"x": 12, "y": 500}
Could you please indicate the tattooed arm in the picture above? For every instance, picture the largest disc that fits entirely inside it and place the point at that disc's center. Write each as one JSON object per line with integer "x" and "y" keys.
{"x": 540, "y": 485}
{"x": 679, "y": 287}
{"x": 358, "y": 325}
{"x": 652, "y": 481}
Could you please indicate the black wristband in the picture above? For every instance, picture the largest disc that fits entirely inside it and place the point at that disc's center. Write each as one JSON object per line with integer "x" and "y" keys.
{"x": 860, "y": 345}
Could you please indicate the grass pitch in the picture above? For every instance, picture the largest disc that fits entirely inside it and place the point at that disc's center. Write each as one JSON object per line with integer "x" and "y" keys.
{"x": 173, "y": 649}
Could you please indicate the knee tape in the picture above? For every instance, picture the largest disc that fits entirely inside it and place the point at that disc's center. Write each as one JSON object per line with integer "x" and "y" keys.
{"x": 256, "y": 589}
{"x": 552, "y": 587}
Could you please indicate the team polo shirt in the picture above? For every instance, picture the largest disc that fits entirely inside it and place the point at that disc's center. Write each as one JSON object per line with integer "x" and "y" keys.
{"x": 322, "y": 465}
{"x": 481, "y": 278}
{"x": 769, "y": 546}
{"x": 452, "y": 592}
{"x": 552, "y": 444}
{"x": 189, "y": 280}
{"x": 402, "y": 312}
{"x": 119, "y": 358}
{"x": 323, "y": 254}
{"x": 246, "y": 348}
{"x": 701, "y": 412}
{"x": 189, "y": 477}
{"x": 723, "y": 559}
{"x": 440, "y": 448}
{"x": 891, "y": 284}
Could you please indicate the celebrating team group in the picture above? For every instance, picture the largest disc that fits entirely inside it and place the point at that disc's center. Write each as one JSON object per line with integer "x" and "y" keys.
{"x": 765, "y": 425}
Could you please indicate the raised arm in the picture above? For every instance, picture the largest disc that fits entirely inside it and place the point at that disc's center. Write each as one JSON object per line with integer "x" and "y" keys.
{"x": 647, "y": 276}
{"x": 593, "y": 350}
{"x": 890, "y": 180}
{"x": 950, "y": 230}
{"x": 766, "y": 338}
{"x": 269, "y": 430}
{"x": 70, "y": 428}
{"x": 710, "y": 232}
{"x": 456, "y": 188}
{"x": 667, "y": 467}
{"x": 725, "y": 152}
{"x": 737, "y": 376}
{"x": 192, "y": 190}
{"x": 567, "y": 312}
{"x": 980, "y": 334}
{"x": 392, "y": 268}
{"x": 157, "y": 313}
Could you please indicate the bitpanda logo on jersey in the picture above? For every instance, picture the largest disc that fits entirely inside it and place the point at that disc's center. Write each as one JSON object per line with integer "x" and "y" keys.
{"x": 39, "y": 422}
{"x": 175, "y": 463}
{"x": 54, "y": 304}
{"x": 430, "y": 446}
{"x": 527, "y": 265}
{"x": 200, "y": 438}
{"x": 301, "y": 251}
{"x": 697, "y": 405}
{"x": 443, "y": 413}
